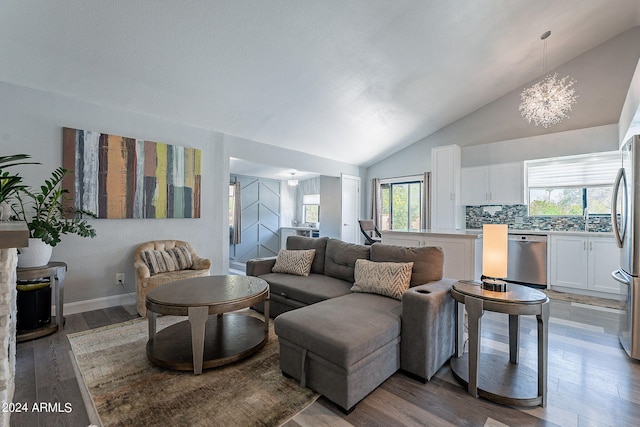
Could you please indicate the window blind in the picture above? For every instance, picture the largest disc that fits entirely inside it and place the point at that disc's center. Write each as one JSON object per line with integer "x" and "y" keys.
{"x": 574, "y": 171}
{"x": 311, "y": 199}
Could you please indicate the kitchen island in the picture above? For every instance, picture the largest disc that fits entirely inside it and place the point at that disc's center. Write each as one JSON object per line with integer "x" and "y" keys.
{"x": 462, "y": 248}
{"x": 578, "y": 262}
{"x": 306, "y": 231}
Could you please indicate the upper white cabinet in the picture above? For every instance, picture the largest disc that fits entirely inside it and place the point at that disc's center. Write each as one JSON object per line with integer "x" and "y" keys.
{"x": 446, "y": 210}
{"x": 500, "y": 184}
{"x": 585, "y": 263}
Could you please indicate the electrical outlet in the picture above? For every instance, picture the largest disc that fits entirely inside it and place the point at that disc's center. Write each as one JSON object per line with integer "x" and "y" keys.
{"x": 120, "y": 278}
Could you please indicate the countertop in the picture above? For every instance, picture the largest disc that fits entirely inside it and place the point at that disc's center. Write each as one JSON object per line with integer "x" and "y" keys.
{"x": 301, "y": 228}
{"x": 477, "y": 233}
{"x": 13, "y": 234}
{"x": 445, "y": 232}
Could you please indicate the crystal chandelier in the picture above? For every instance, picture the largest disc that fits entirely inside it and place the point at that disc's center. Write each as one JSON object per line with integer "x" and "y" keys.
{"x": 548, "y": 102}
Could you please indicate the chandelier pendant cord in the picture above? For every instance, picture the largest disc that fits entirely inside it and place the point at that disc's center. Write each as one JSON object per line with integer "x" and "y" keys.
{"x": 544, "y": 58}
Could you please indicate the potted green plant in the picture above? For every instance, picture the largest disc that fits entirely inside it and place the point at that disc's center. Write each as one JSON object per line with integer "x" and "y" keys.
{"x": 9, "y": 183}
{"x": 46, "y": 215}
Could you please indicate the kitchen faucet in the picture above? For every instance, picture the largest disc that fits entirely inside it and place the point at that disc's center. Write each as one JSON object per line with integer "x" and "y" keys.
{"x": 586, "y": 219}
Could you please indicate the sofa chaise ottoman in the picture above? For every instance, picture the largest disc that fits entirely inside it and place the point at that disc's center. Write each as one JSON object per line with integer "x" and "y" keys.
{"x": 344, "y": 344}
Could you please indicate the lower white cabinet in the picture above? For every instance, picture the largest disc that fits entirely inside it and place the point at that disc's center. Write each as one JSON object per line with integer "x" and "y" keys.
{"x": 584, "y": 262}
{"x": 604, "y": 258}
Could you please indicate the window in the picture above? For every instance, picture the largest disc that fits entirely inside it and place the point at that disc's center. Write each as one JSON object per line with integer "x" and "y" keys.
{"x": 401, "y": 204}
{"x": 573, "y": 185}
{"x": 311, "y": 208}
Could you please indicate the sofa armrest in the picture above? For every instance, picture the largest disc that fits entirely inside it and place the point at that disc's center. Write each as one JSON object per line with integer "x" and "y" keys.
{"x": 200, "y": 263}
{"x": 259, "y": 266}
{"x": 141, "y": 269}
{"x": 428, "y": 328}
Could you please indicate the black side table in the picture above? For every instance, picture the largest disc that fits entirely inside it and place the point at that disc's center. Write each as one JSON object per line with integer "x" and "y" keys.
{"x": 488, "y": 375}
{"x": 55, "y": 272}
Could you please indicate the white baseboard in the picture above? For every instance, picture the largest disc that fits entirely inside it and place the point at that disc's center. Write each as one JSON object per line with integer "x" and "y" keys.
{"x": 96, "y": 304}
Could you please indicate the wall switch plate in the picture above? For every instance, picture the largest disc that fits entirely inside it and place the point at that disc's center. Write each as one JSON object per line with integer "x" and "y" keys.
{"x": 120, "y": 278}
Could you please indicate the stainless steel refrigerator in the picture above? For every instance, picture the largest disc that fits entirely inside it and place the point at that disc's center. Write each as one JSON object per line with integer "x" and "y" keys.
{"x": 625, "y": 216}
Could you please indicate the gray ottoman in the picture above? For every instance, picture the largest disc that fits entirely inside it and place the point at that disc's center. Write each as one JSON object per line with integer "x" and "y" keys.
{"x": 342, "y": 348}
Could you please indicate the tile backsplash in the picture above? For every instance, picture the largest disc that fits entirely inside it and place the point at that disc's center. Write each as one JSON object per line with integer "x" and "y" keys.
{"x": 517, "y": 218}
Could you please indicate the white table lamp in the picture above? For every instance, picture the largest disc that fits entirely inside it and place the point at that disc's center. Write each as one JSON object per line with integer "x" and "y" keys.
{"x": 494, "y": 256}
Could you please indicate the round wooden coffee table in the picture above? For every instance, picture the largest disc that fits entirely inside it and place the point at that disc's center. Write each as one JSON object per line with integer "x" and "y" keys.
{"x": 203, "y": 341}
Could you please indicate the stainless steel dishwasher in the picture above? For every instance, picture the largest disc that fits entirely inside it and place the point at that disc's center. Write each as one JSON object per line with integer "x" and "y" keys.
{"x": 527, "y": 259}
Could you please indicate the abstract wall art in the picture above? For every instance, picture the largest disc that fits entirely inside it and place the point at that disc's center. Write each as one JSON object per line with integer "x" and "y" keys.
{"x": 120, "y": 177}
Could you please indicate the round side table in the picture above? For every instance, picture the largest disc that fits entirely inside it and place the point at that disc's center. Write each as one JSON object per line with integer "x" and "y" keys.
{"x": 489, "y": 375}
{"x": 55, "y": 272}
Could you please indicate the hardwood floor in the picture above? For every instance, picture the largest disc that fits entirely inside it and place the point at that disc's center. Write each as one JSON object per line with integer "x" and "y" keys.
{"x": 591, "y": 381}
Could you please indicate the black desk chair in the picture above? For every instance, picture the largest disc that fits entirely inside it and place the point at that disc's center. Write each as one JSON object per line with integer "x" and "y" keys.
{"x": 370, "y": 231}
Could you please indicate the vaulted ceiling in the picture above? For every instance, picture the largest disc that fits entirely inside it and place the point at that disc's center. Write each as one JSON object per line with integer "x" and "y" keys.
{"x": 350, "y": 80}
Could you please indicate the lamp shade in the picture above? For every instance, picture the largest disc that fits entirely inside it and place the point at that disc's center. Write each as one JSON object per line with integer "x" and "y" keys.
{"x": 495, "y": 250}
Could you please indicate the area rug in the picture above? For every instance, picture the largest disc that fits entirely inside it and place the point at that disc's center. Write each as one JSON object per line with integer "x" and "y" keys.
{"x": 127, "y": 390}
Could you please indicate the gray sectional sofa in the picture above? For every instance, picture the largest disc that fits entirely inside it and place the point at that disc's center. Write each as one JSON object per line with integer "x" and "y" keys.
{"x": 344, "y": 344}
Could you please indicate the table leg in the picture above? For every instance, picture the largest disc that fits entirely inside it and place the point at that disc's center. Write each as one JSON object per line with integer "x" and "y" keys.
{"x": 266, "y": 318}
{"x": 475, "y": 311}
{"x": 459, "y": 308}
{"x": 198, "y": 319}
{"x": 543, "y": 349}
{"x": 514, "y": 338}
{"x": 151, "y": 317}
{"x": 59, "y": 296}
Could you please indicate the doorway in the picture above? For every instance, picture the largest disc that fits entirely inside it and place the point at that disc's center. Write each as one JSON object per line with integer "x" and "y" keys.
{"x": 350, "y": 186}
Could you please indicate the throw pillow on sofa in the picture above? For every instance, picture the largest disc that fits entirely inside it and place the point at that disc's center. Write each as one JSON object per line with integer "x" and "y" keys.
{"x": 181, "y": 257}
{"x": 389, "y": 279}
{"x": 177, "y": 258}
{"x": 296, "y": 262}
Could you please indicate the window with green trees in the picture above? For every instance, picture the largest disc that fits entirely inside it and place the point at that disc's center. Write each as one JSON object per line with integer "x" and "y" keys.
{"x": 570, "y": 201}
{"x": 572, "y": 185}
{"x": 401, "y": 205}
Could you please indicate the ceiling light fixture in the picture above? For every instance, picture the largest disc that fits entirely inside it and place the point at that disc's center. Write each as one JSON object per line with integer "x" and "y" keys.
{"x": 547, "y": 102}
{"x": 292, "y": 182}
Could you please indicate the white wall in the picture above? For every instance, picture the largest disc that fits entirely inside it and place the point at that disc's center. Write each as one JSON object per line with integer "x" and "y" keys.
{"x": 629, "y": 124}
{"x": 31, "y": 122}
{"x": 497, "y": 133}
{"x": 276, "y": 156}
{"x": 581, "y": 141}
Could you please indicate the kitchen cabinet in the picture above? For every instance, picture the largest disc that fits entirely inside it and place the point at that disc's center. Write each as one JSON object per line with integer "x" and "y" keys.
{"x": 604, "y": 258}
{"x": 568, "y": 263}
{"x": 462, "y": 251}
{"x": 446, "y": 210}
{"x": 500, "y": 184}
{"x": 584, "y": 263}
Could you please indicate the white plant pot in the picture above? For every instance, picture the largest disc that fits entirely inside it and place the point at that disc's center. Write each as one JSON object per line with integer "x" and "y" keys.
{"x": 36, "y": 255}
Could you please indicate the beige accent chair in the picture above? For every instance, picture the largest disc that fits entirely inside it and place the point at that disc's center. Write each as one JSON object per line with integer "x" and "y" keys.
{"x": 145, "y": 282}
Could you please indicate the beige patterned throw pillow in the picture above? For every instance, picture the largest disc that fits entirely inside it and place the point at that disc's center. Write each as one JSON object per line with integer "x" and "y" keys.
{"x": 178, "y": 258}
{"x": 390, "y": 279}
{"x": 158, "y": 261}
{"x": 296, "y": 262}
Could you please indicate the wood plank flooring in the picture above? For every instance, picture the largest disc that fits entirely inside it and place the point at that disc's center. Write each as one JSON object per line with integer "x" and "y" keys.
{"x": 591, "y": 380}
